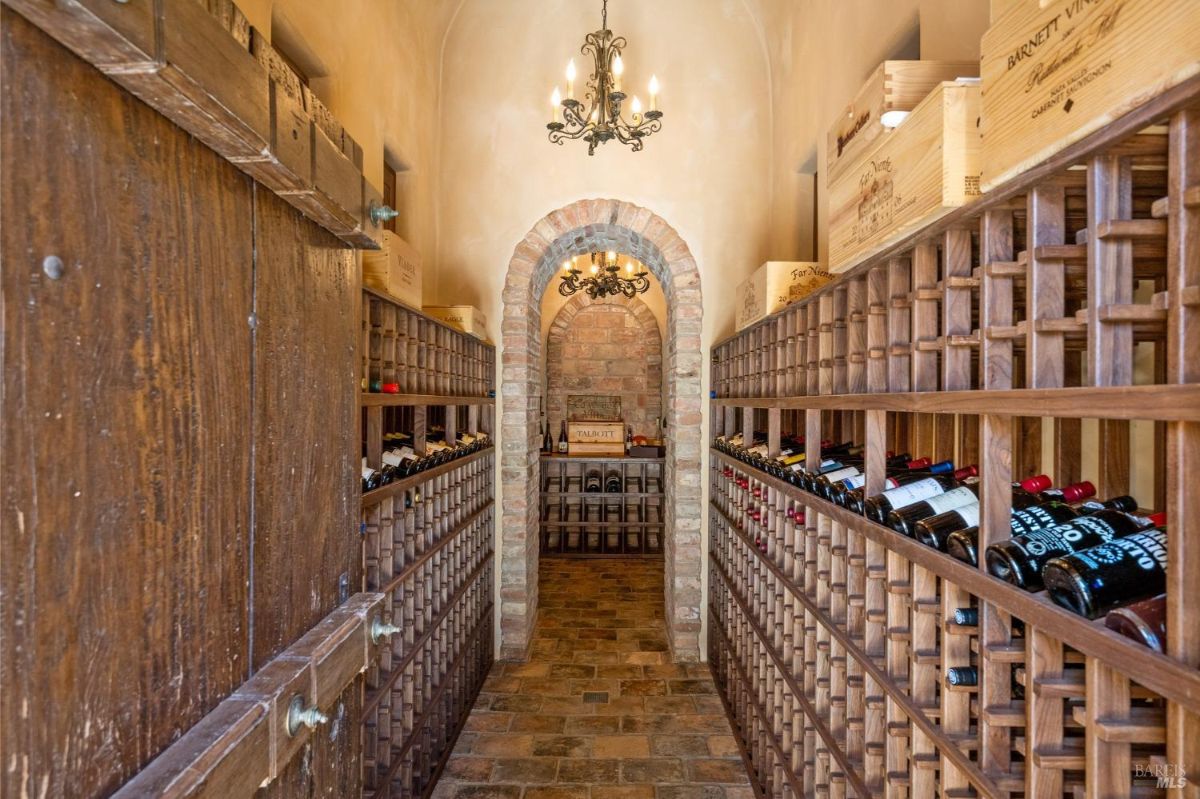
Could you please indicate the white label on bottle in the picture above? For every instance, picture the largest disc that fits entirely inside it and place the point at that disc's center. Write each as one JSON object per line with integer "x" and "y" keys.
{"x": 857, "y": 481}
{"x": 952, "y": 499}
{"x": 840, "y": 474}
{"x": 913, "y": 492}
{"x": 392, "y": 459}
{"x": 407, "y": 454}
{"x": 367, "y": 472}
{"x": 969, "y": 514}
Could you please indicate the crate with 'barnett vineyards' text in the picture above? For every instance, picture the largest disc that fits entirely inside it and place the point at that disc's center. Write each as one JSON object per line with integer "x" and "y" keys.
{"x": 1057, "y": 71}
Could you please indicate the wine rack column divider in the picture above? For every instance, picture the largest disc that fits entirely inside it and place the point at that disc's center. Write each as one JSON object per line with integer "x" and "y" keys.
{"x": 833, "y": 634}
{"x": 427, "y": 540}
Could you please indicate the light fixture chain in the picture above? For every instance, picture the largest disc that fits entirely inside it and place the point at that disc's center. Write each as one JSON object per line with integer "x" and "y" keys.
{"x": 604, "y": 16}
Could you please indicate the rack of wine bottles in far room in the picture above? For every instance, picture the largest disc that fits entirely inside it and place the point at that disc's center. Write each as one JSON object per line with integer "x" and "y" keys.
{"x": 598, "y": 506}
{"x": 427, "y": 529}
{"x": 1051, "y": 328}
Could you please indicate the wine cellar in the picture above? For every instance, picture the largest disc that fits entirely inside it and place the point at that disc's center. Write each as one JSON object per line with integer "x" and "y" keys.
{"x": 427, "y": 529}
{"x": 1048, "y": 331}
{"x": 825, "y": 426}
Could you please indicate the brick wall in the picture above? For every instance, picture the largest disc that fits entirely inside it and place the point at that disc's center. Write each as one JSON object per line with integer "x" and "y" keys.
{"x": 577, "y": 229}
{"x": 612, "y": 347}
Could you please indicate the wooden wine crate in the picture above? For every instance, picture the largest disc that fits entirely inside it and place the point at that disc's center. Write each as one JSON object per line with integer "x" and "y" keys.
{"x": 917, "y": 173}
{"x": 893, "y": 86}
{"x": 1053, "y": 75}
{"x": 394, "y": 268}
{"x": 600, "y": 448}
{"x": 775, "y": 285}
{"x": 461, "y": 317}
{"x": 596, "y": 433}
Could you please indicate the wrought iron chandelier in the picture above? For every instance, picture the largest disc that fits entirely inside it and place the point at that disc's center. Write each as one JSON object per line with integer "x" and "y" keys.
{"x": 601, "y": 119}
{"x": 605, "y": 280}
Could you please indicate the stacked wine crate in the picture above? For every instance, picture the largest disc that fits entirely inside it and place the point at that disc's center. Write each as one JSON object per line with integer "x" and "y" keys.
{"x": 1052, "y": 326}
{"x": 427, "y": 541}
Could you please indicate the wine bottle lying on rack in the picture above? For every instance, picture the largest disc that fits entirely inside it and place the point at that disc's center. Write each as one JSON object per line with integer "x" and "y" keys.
{"x": 968, "y": 676}
{"x": 963, "y": 544}
{"x": 370, "y": 477}
{"x": 1020, "y": 559}
{"x": 932, "y": 529}
{"x": 853, "y": 490}
{"x": 1144, "y": 621}
{"x": 1121, "y": 571}
{"x": 914, "y": 488}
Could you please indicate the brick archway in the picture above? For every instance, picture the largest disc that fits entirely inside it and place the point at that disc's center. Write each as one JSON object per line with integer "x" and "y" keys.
{"x": 608, "y": 368}
{"x": 582, "y": 227}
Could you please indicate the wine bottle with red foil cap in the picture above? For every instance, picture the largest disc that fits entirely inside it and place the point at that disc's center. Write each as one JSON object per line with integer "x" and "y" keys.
{"x": 1053, "y": 510}
{"x": 1144, "y": 621}
{"x": 964, "y": 544}
{"x": 914, "y": 488}
{"x": 1020, "y": 559}
{"x": 1096, "y": 580}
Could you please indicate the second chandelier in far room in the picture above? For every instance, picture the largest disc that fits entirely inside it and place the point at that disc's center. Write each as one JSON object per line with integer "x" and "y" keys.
{"x": 599, "y": 118}
{"x": 606, "y": 279}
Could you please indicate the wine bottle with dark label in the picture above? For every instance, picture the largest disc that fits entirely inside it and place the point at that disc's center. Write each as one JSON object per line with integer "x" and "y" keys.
{"x": 964, "y": 543}
{"x": 1124, "y": 570}
{"x": 1054, "y": 511}
{"x": 1020, "y": 559}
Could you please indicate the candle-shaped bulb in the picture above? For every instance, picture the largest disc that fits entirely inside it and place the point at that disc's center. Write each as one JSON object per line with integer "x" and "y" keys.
{"x": 555, "y": 102}
{"x": 595, "y": 269}
{"x": 653, "y": 92}
{"x": 566, "y": 266}
{"x": 571, "y": 79}
{"x": 629, "y": 267}
{"x": 618, "y": 69}
{"x": 612, "y": 257}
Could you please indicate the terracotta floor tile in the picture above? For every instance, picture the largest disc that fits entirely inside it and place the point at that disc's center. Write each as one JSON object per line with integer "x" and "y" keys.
{"x": 600, "y": 711}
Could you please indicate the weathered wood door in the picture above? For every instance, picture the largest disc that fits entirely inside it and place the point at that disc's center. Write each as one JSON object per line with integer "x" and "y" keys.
{"x": 179, "y": 433}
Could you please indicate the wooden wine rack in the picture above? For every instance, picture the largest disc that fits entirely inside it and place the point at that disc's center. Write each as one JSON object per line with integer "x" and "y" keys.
{"x": 577, "y": 523}
{"x": 1071, "y": 292}
{"x": 427, "y": 546}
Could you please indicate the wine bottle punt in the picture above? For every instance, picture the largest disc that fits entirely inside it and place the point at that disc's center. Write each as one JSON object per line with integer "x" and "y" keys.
{"x": 962, "y": 676}
{"x": 1144, "y": 621}
{"x": 1099, "y": 579}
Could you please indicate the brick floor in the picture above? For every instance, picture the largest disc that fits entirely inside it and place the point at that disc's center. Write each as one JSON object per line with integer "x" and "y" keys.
{"x": 599, "y": 711}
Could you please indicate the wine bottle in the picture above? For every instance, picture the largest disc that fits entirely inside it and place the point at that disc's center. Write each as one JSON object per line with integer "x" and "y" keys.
{"x": 963, "y": 543}
{"x": 1123, "y": 570}
{"x": 547, "y": 441}
{"x": 562, "y": 440}
{"x": 914, "y": 488}
{"x": 904, "y": 520}
{"x": 370, "y": 477}
{"x": 966, "y": 617}
{"x": 842, "y": 491}
{"x": 1144, "y": 621}
{"x": 962, "y": 676}
{"x": 591, "y": 481}
{"x": 941, "y": 531}
{"x": 612, "y": 481}
{"x": 1053, "y": 510}
{"x": 1020, "y": 559}
{"x": 628, "y": 439}
{"x": 854, "y": 491}
{"x": 933, "y": 530}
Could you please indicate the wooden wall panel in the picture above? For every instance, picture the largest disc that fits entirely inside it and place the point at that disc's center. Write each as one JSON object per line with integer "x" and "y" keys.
{"x": 126, "y": 417}
{"x": 307, "y": 299}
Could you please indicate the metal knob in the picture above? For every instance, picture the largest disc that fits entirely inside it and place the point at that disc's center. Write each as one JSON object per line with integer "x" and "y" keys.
{"x": 381, "y": 629}
{"x": 382, "y": 213}
{"x": 300, "y": 714}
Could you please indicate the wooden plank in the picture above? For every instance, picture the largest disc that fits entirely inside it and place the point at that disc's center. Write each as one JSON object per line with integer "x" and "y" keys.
{"x": 295, "y": 555}
{"x": 126, "y": 404}
{"x": 1165, "y": 403}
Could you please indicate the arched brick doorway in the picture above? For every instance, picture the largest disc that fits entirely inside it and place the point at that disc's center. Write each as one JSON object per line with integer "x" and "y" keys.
{"x": 582, "y": 227}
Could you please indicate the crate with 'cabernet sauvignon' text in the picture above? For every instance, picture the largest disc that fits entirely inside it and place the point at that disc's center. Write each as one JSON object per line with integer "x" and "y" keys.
{"x": 1054, "y": 74}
